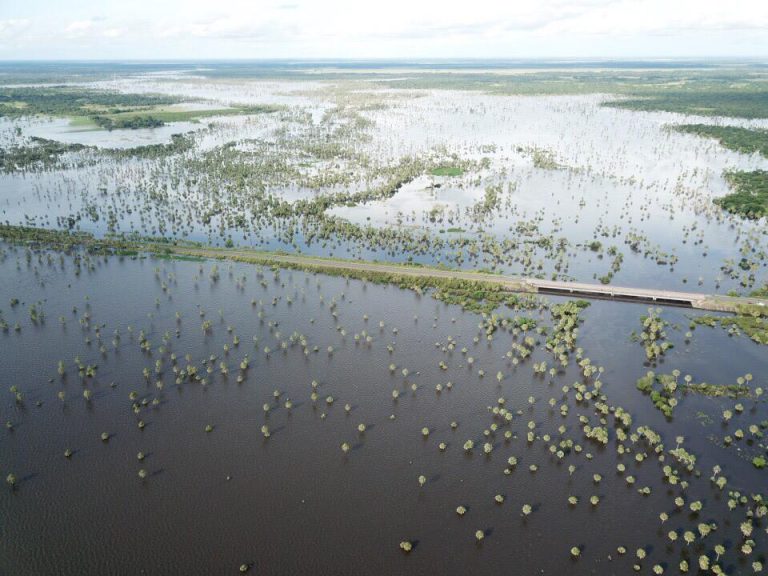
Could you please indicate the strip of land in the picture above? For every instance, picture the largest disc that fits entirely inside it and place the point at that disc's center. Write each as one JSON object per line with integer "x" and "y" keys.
{"x": 382, "y": 271}
{"x": 510, "y": 283}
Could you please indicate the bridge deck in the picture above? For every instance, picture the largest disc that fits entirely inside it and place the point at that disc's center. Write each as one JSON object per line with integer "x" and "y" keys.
{"x": 691, "y": 299}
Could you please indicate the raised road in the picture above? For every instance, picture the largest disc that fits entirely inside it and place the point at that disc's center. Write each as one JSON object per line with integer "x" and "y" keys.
{"x": 512, "y": 283}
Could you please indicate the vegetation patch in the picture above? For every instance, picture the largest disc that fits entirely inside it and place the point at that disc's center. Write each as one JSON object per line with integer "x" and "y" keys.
{"x": 62, "y": 101}
{"x": 751, "y": 102}
{"x": 156, "y": 117}
{"x": 744, "y": 140}
{"x": 664, "y": 388}
{"x": 48, "y": 154}
{"x": 661, "y": 388}
{"x": 750, "y": 196}
{"x": 447, "y": 171}
{"x": 106, "y": 109}
{"x": 179, "y": 143}
{"x": 542, "y": 158}
{"x": 43, "y": 154}
{"x": 482, "y": 298}
{"x": 131, "y": 122}
{"x": 751, "y": 321}
{"x": 653, "y": 335}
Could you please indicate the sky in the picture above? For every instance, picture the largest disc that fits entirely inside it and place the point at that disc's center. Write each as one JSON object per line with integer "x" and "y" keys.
{"x": 360, "y": 29}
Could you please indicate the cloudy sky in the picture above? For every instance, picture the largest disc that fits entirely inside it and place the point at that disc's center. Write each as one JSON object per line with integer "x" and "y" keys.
{"x": 133, "y": 29}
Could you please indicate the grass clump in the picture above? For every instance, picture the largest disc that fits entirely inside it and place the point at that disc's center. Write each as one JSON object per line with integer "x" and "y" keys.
{"x": 750, "y": 321}
{"x": 661, "y": 389}
{"x": 544, "y": 159}
{"x": 664, "y": 388}
{"x": 451, "y": 171}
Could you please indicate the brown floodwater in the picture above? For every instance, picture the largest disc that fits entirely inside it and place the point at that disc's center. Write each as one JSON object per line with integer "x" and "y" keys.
{"x": 295, "y": 503}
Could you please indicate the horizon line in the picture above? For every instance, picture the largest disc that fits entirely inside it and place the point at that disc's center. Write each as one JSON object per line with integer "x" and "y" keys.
{"x": 416, "y": 59}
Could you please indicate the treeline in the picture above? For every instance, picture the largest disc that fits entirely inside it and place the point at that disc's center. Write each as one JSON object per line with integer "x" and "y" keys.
{"x": 744, "y": 140}
{"x": 739, "y": 103}
{"x": 132, "y": 122}
{"x": 73, "y": 101}
{"x": 750, "y": 196}
{"x": 44, "y": 154}
{"x": 179, "y": 143}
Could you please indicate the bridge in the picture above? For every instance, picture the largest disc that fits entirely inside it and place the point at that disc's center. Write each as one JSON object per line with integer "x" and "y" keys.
{"x": 622, "y": 293}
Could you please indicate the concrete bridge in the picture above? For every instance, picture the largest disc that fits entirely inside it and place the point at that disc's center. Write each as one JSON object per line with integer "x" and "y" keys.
{"x": 623, "y": 293}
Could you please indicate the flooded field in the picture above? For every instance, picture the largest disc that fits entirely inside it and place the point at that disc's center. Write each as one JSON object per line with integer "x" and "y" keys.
{"x": 177, "y": 415}
{"x": 195, "y": 363}
{"x": 479, "y": 175}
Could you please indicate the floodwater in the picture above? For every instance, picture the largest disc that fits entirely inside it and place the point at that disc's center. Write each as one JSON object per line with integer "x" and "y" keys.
{"x": 295, "y": 503}
{"x": 620, "y": 177}
{"x": 63, "y": 131}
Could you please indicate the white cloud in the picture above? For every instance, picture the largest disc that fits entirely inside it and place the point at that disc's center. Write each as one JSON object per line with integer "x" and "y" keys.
{"x": 11, "y": 28}
{"x": 633, "y": 17}
{"x": 79, "y": 28}
{"x": 396, "y": 28}
{"x": 112, "y": 32}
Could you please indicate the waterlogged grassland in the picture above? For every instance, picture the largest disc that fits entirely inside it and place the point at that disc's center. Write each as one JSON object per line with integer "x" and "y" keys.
{"x": 477, "y": 296}
{"x": 361, "y": 169}
{"x": 42, "y": 154}
{"x": 694, "y": 87}
{"x": 701, "y": 90}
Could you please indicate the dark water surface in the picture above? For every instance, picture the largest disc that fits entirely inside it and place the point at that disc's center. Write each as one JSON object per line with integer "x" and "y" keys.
{"x": 295, "y": 503}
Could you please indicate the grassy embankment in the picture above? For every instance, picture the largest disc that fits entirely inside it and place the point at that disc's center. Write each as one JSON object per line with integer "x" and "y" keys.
{"x": 474, "y": 295}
